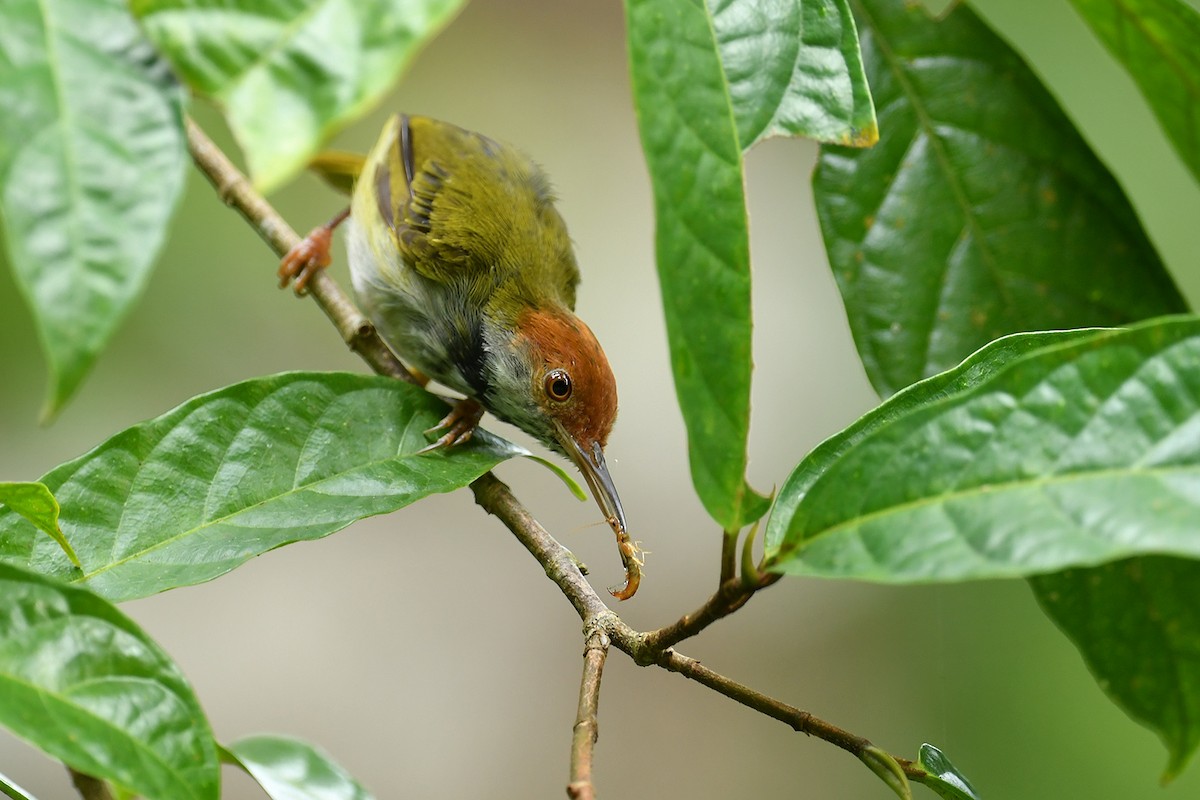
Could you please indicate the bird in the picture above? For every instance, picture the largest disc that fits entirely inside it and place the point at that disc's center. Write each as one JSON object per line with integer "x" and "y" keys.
{"x": 462, "y": 262}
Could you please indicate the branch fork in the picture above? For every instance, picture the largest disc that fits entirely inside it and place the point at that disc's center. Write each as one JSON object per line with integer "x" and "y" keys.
{"x": 603, "y": 628}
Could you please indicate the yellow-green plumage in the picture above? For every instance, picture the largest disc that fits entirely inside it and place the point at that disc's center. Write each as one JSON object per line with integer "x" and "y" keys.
{"x": 460, "y": 259}
{"x": 459, "y": 256}
{"x": 453, "y": 233}
{"x": 476, "y": 212}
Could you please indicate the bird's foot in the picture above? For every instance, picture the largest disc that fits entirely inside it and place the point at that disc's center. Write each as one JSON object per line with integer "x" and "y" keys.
{"x": 304, "y": 260}
{"x": 458, "y": 425}
{"x": 309, "y": 257}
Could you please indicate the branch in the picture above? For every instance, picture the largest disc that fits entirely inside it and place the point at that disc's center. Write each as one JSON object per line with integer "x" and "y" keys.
{"x": 235, "y": 190}
{"x": 800, "y": 721}
{"x": 731, "y": 595}
{"x": 729, "y": 543}
{"x": 498, "y": 500}
{"x": 494, "y": 496}
{"x": 586, "y": 730}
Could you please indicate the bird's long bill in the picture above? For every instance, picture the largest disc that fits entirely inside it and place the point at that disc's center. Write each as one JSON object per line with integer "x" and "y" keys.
{"x": 591, "y": 463}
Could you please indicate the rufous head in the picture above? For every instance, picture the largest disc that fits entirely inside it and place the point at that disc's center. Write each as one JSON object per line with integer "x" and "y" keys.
{"x": 573, "y": 396}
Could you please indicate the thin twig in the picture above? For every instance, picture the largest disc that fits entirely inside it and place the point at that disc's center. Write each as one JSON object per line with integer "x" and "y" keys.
{"x": 494, "y": 496}
{"x": 586, "y": 730}
{"x": 729, "y": 542}
{"x": 729, "y": 597}
{"x": 235, "y": 190}
{"x": 800, "y": 721}
{"x": 497, "y": 499}
{"x": 89, "y": 788}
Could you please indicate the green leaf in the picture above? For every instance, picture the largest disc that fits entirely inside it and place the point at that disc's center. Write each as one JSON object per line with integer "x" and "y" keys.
{"x": 289, "y": 769}
{"x": 290, "y": 73}
{"x": 1137, "y": 625}
{"x": 229, "y": 475}
{"x": 91, "y": 165}
{"x": 944, "y": 778}
{"x": 34, "y": 502}
{"x": 10, "y": 789}
{"x": 560, "y": 473}
{"x": 1076, "y": 453}
{"x": 794, "y": 68}
{"x": 702, "y": 242}
{"x": 1158, "y": 41}
{"x": 1132, "y": 621}
{"x": 981, "y": 212}
{"x": 970, "y": 373}
{"x": 81, "y": 681}
{"x": 888, "y": 770}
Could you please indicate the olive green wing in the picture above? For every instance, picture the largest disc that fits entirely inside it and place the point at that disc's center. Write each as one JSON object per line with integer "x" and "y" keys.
{"x": 424, "y": 193}
{"x": 464, "y": 207}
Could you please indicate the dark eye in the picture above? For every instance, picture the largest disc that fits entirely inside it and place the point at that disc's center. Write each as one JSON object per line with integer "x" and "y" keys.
{"x": 558, "y": 385}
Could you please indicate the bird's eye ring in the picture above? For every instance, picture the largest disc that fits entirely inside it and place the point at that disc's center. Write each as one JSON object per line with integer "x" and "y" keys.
{"x": 558, "y": 385}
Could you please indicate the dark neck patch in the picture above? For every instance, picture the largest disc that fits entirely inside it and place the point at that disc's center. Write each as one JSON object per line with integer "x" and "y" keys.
{"x": 467, "y": 352}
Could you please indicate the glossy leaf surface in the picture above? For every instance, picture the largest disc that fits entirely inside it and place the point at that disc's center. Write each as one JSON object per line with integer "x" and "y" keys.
{"x": 1137, "y": 625}
{"x": 944, "y": 779}
{"x": 229, "y": 475}
{"x": 34, "y": 502}
{"x": 981, "y": 212}
{"x": 81, "y": 681}
{"x": 1158, "y": 41}
{"x": 289, "y": 769}
{"x": 1133, "y": 622}
{"x": 967, "y": 375}
{"x": 794, "y": 69}
{"x": 91, "y": 165}
{"x": 1077, "y": 453}
{"x": 702, "y": 244}
{"x": 290, "y": 72}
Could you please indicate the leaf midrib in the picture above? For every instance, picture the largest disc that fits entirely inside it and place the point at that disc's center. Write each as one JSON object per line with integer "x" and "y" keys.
{"x": 287, "y": 34}
{"x": 65, "y": 123}
{"x": 979, "y": 490}
{"x": 232, "y": 515}
{"x": 927, "y": 124}
{"x": 737, "y": 494}
{"x": 42, "y": 693}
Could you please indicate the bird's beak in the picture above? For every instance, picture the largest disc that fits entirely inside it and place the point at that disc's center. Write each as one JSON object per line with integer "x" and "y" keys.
{"x": 590, "y": 461}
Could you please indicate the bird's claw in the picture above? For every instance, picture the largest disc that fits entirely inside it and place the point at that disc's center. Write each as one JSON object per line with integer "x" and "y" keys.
{"x": 459, "y": 425}
{"x": 306, "y": 259}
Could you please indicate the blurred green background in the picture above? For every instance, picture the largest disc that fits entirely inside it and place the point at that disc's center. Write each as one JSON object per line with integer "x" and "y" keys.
{"x": 427, "y": 652}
